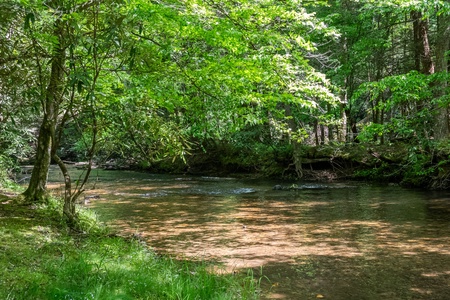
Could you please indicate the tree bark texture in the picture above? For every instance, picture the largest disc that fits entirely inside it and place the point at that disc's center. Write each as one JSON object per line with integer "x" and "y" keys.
{"x": 441, "y": 128}
{"x": 37, "y": 188}
{"x": 417, "y": 51}
{"x": 422, "y": 50}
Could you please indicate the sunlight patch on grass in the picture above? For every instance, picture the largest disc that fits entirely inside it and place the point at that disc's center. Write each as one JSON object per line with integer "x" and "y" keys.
{"x": 41, "y": 258}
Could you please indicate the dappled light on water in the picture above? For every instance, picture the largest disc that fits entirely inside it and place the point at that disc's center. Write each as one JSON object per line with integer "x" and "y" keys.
{"x": 335, "y": 241}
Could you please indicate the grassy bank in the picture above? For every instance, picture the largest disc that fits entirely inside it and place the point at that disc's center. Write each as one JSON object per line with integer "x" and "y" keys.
{"x": 41, "y": 259}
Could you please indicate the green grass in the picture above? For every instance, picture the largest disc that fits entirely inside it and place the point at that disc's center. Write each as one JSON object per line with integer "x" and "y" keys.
{"x": 41, "y": 259}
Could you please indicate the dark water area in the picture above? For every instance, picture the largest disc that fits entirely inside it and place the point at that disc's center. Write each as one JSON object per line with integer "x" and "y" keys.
{"x": 344, "y": 240}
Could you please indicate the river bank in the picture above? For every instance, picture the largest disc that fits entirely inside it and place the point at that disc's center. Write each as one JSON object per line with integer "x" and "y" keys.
{"x": 413, "y": 166}
{"x": 42, "y": 259}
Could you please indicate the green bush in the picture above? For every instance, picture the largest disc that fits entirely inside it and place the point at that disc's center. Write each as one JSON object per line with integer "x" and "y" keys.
{"x": 6, "y": 167}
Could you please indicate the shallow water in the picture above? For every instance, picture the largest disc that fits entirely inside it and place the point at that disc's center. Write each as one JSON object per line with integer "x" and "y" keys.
{"x": 337, "y": 241}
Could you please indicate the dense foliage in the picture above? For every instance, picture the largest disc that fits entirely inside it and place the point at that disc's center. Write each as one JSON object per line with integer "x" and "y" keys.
{"x": 249, "y": 83}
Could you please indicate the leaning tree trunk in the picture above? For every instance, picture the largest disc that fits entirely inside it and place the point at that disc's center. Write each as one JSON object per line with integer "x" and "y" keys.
{"x": 37, "y": 188}
{"x": 72, "y": 194}
{"x": 69, "y": 198}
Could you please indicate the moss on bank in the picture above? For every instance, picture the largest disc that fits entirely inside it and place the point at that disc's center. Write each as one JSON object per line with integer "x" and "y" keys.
{"x": 41, "y": 259}
{"x": 405, "y": 164}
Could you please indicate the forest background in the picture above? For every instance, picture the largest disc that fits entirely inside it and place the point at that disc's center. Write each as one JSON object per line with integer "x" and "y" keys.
{"x": 296, "y": 89}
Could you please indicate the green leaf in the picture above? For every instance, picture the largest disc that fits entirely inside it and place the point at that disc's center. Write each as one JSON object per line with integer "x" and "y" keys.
{"x": 30, "y": 17}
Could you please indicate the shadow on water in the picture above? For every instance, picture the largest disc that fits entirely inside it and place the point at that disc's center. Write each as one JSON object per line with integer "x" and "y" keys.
{"x": 333, "y": 241}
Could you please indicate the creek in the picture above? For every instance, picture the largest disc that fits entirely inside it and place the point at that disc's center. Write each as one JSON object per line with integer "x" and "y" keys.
{"x": 342, "y": 240}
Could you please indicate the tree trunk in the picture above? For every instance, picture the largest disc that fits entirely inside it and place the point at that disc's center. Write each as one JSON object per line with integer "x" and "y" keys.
{"x": 442, "y": 43}
{"x": 316, "y": 132}
{"x": 380, "y": 64}
{"x": 69, "y": 201}
{"x": 345, "y": 113}
{"x": 36, "y": 191}
{"x": 322, "y": 134}
{"x": 441, "y": 129}
{"x": 296, "y": 153}
{"x": 427, "y": 61}
{"x": 37, "y": 188}
{"x": 417, "y": 53}
{"x": 330, "y": 127}
{"x": 422, "y": 51}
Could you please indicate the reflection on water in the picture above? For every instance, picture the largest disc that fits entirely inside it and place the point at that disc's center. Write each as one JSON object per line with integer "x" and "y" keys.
{"x": 338, "y": 241}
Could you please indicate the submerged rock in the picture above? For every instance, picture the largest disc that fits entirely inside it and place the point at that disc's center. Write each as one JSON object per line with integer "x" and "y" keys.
{"x": 294, "y": 186}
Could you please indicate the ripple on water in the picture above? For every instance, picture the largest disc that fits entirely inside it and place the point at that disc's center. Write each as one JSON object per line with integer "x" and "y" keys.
{"x": 155, "y": 194}
{"x": 339, "y": 241}
{"x": 244, "y": 191}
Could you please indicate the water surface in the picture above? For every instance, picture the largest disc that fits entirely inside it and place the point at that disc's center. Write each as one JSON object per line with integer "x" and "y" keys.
{"x": 329, "y": 240}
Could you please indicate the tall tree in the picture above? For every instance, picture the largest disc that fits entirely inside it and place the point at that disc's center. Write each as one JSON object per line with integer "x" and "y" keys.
{"x": 51, "y": 100}
{"x": 401, "y": 42}
{"x": 72, "y": 42}
{"x": 442, "y": 65}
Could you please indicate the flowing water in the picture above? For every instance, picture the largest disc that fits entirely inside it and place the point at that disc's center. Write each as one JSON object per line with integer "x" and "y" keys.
{"x": 330, "y": 240}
